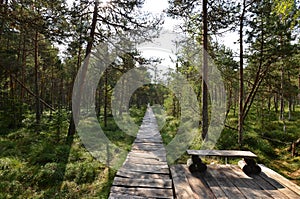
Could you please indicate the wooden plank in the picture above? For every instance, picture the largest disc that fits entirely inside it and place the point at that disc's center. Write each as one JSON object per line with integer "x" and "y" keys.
{"x": 254, "y": 183}
{"x": 146, "y": 147}
{"x": 138, "y": 140}
{"x": 146, "y": 166}
{"x": 273, "y": 191}
{"x": 123, "y": 196}
{"x": 159, "y": 152}
{"x": 278, "y": 182}
{"x": 247, "y": 189}
{"x": 223, "y": 153}
{"x": 181, "y": 184}
{"x": 143, "y": 192}
{"x": 147, "y": 156}
{"x": 214, "y": 186}
{"x": 226, "y": 185}
{"x": 147, "y": 144}
{"x": 144, "y": 161}
{"x": 287, "y": 183}
{"x": 278, "y": 187}
{"x": 146, "y": 169}
{"x": 198, "y": 184}
{"x": 131, "y": 174}
{"x": 151, "y": 183}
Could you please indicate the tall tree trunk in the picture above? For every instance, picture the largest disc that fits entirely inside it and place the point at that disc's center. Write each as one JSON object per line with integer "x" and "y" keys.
{"x": 282, "y": 94}
{"x": 290, "y": 107}
{"x": 98, "y": 102}
{"x": 36, "y": 80}
{"x": 71, "y": 130}
{"x": 299, "y": 87}
{"x": 23, "y": 66}
{"x": 241, "y": 91}
{"x": 205, "y": 74}
{"x": 105, "y": 98}
{"x": 121, "y": 97}
{"x": 276, "y": 102}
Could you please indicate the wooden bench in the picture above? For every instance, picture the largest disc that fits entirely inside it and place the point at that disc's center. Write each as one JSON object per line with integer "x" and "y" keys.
{"x": 248, "y": 164}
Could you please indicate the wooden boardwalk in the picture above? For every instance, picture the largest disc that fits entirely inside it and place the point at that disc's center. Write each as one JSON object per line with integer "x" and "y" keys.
{"x": 145, "y": 173}
{"x": 229, "y": 181}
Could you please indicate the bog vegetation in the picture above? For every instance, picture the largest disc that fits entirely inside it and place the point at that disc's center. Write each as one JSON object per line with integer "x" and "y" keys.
{"x": 41, "y": 155}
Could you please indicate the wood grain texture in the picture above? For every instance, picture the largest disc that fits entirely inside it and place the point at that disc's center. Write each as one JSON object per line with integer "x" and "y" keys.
{"x": 228, "y": 181}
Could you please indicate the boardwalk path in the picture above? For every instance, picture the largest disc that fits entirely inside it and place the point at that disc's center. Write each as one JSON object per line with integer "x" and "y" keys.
{"x": 145, "y": 173}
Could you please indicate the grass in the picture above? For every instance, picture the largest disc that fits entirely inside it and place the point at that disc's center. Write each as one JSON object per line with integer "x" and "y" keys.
{"x": 34, "y": 166}
{"x": 44, "y": 165}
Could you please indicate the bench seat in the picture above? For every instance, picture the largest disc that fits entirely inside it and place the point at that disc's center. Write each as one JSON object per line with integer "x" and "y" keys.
{"x": 222, "y": 153}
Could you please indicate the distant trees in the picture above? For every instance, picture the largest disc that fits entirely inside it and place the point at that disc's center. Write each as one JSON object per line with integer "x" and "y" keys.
{"x": 28, "y": 30}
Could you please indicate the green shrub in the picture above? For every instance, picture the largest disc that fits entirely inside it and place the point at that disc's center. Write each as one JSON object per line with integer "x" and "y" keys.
{"x": 81, "y": 173}
{"x": 45, "y": 152}
{"x": 259, "y": 146}
{"x": 227, "y": 140}
{"x": 49, "y": 175}
{"x": 86, "y": 173}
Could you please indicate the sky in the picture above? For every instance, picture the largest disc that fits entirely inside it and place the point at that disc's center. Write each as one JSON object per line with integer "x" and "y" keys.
{"x": 157, "y": 7}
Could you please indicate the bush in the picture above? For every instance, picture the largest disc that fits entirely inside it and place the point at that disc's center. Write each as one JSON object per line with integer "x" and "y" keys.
{"x": 81, "y": 173}
{"x": 49, "y": 175}
{"x": 259, "y": 146}
{"x": 45, "y": 152}
{"x": 228, "y": 140}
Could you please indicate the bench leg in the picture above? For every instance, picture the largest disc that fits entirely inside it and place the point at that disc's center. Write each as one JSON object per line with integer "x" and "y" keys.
{"x": 249, "y": 166}
{"x": 195, "y": 164}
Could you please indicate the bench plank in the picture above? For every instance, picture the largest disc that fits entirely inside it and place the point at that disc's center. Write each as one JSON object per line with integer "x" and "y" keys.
{"x": 222, "y": 153}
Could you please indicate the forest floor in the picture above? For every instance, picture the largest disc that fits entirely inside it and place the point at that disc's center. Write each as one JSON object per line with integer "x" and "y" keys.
{"x": 44, "y": 165}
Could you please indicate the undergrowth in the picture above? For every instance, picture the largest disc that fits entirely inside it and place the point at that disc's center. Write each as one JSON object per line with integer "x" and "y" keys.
{"x": 44, "y": 165}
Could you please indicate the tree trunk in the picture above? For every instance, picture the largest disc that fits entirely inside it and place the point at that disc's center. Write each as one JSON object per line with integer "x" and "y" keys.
{"x": 299, "y": 88}
{"x": 241, "y": 91}
{"x": 205, "y": 74}
{"x": 36, "y": 80}
{"x": 105, "y": 98}
{"x": 290, "y": 107}
{"x": 71, "y": 130}
{"x": 276, "y": 102}
{"x": 281, "y": 94}
{"x": 98, "y": 102}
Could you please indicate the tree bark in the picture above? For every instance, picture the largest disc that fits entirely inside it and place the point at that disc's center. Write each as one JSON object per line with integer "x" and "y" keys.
{"x": 36, "y": 79}
{"x": 205, "y": 74}
{"x": 241, "y": 90}
{"x": 282, "y": 94}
